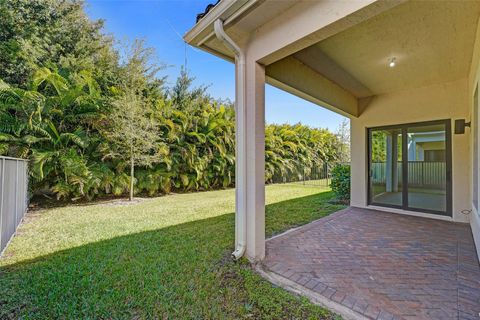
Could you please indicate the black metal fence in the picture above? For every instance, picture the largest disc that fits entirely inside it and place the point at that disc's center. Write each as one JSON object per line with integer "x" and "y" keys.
{"x": 320, "y": 175}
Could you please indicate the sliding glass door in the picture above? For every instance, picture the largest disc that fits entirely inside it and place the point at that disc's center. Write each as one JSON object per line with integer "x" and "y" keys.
{"x": 410, "y": 167}
{"x": 386, "y": 167}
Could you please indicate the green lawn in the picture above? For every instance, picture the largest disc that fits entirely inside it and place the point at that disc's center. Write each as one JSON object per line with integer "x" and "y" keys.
{"x": 165, "y": 257}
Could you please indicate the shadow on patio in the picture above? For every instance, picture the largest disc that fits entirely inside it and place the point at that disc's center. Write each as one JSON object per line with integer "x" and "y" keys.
{"x": 377, "y": 265}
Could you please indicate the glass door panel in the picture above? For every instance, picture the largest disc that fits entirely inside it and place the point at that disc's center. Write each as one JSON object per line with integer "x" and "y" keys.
{"x": 427, "y": 167}
{"x": 386, "y": 167}
{"x": 410, "y": 167}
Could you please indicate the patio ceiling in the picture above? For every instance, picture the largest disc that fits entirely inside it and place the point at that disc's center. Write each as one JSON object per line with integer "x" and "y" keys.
{"x": 431, "y": 44}
{"x": 336, "y": 54}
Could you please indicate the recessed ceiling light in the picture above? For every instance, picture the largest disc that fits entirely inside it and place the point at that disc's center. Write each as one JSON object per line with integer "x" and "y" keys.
{"x": 392, "y": 63}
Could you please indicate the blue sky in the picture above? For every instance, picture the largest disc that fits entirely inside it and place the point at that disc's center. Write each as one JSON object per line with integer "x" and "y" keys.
{"x": 162, "y": 23}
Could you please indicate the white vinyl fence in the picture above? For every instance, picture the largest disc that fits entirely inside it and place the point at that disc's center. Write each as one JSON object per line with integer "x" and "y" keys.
{"x": 13, "y": 196}
{"x": 420, "y": 174}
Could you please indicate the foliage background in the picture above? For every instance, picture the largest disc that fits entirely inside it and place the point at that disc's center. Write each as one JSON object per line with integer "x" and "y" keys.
{"x": 61, "y": 78}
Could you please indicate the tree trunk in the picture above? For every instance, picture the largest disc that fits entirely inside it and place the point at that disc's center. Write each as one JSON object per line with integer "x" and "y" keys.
{"x": 132, "y": 172}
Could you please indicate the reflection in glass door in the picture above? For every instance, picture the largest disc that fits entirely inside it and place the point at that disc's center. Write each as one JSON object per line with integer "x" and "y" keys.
{"x": 427, "y": 167}
{"x": 420, "y": 156}
{"x": 386, "y": 167}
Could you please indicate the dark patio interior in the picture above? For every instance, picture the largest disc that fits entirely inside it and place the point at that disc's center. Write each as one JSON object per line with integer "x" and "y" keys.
{"x": 383, "y": 265}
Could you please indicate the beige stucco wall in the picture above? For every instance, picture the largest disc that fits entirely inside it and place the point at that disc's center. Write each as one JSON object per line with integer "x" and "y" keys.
{"x": 431, "y": 145}
{"x": 435, "y": 102}
{"x": 473, "y": 79}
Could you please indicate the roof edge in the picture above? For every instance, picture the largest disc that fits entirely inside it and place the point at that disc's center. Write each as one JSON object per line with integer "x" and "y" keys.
{"x": 225, "y": 10}
{"x": 206, "y": 11}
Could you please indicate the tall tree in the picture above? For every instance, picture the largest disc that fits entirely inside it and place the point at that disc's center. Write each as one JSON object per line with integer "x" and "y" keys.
{"x": 56, "y": 34}
{"x": 134, "y": 132}
{"x": 133, "y": 135}
{"x": 343, "y": 134}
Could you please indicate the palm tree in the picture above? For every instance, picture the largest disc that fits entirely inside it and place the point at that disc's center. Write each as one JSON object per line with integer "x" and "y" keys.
{"x": 47, "y": 123}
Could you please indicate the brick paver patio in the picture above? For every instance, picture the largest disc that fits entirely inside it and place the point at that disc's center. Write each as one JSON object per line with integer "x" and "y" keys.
{"x": 383, "y": 265}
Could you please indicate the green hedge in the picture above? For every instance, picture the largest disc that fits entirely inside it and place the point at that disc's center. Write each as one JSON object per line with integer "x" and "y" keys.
{"x": 341, "y": 181}
{"x": 56, "y": 105}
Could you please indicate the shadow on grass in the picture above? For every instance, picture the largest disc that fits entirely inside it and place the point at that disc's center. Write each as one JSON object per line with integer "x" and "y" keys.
{"x": 176, "y": 272}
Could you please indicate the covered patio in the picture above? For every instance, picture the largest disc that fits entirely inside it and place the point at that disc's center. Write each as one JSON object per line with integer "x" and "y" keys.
{"x": 380, "y": 265}
{"x": 406, "y": 74}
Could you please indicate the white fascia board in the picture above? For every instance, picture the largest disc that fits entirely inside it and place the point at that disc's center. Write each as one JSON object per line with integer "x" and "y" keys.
{"x": 226, "y": 10}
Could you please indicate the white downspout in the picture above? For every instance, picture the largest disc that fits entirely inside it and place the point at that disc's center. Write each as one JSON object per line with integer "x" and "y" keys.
{"x": 240, "y": 206}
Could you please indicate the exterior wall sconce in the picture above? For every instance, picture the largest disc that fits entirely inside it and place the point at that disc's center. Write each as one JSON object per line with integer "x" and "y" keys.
{"x": 460, "y": 125}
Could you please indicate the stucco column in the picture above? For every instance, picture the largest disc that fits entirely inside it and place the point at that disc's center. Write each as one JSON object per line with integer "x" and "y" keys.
{"x": 412, "y": 149}
{"x": 250, "y": 160}
{"x": 395, "y": 162}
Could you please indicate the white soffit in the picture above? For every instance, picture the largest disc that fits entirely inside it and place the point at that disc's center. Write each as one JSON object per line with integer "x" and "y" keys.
{"x": 432, "y": 42}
